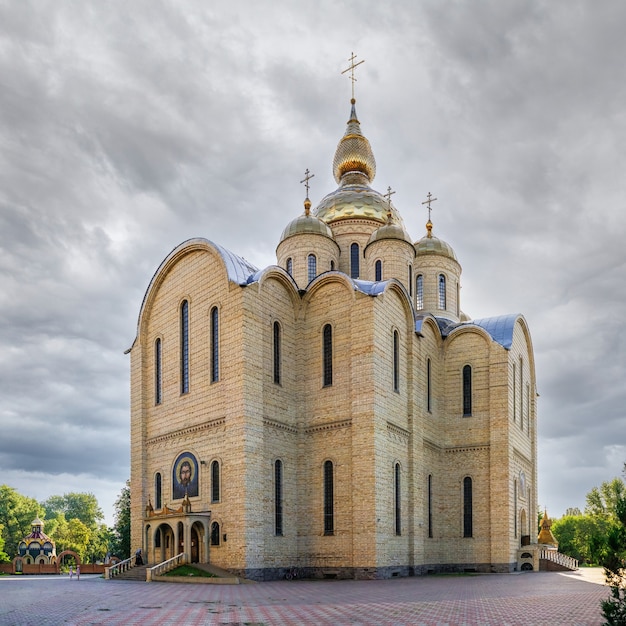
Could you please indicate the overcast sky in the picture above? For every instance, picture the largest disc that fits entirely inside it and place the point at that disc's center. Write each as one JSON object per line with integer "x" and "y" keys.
{"x": 128, "y": 127}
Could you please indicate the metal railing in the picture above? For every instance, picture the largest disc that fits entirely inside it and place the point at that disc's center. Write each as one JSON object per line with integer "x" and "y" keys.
{"x": 166, "y": 566}
{"x": 118, "y": 568}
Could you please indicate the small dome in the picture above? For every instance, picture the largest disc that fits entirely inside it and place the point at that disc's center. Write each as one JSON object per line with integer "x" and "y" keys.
{"x": 354, "y": 153}
{"x": 306, "y": 225}
{"x": 434, "y": 245}
{"x": 390, "y": 231}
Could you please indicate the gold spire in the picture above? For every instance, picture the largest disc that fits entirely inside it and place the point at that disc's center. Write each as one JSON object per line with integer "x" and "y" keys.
{"x": 429, "y": 224}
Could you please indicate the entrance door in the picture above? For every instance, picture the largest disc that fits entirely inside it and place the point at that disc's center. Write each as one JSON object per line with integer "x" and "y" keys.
{"x": 195, "y": 546}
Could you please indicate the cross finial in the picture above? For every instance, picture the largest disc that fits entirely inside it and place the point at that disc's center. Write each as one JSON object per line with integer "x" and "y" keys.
{"x": 306, "y": 179}
{"x": 388, "y": 195}
{"x": 351, "y": 68}
{"x": 428, "y": 200}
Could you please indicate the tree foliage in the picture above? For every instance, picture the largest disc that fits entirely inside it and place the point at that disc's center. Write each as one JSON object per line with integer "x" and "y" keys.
{"x": 120, "y": 545}
{"x": 80, "y": 506}
{"x": 16, "y": 514}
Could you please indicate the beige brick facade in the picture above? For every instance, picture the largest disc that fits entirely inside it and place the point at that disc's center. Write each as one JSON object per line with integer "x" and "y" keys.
{"x": 276, "y": 389}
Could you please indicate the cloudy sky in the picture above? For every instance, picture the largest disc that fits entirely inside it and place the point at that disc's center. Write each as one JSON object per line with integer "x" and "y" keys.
{"x": 128, "y": 127}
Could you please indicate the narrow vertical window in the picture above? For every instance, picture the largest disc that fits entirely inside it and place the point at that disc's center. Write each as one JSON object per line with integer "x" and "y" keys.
{"x": 458, "y": 299}
{"x": 329, "y": 499}
{"x": 312, "y": 266}
{"x": 354, "y": 260}
{"x": 527, "y": 407}
{"x": 514, "y": 393}
{"x": 332, "y": 266}
{"x": 215, "y": 481}
{"x": 277, "y": 356}
{"x": 467, "y": 507}
{"x": 157, "y": 372}
{"x": 411, "y": 281}
{"x": 328, "y": 355}
{"x": 290, "y": 266}
{"x": 430, "y": 506}
{"x": 419, "y": 292}
{"x": 184, "y": 347}
{"x": 397, "y": 499}
{"x": 396, "y": 361}
{"x": 442, "y": 292}
{"x": 215, "y": 534}
{"x": 521, "y": 393}
{"x": 428, "y": 386}
{"x": 215, "y": 345}
{"x": 467, "y": 390}
{"x": 378, "y": 270}
{"x": 158, "y": 504}
{"x": 278, "y": 497}
{"x": 515, "y": 508}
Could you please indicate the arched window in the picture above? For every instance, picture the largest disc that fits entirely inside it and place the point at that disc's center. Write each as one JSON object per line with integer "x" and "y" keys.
{"x": 328, "y": 355}
{"x": 458, "y": 299}
{"x": 396, "y": 361}
{"x": 442, "y": 292}
{"x": 514, "y": 393}
{"x": 157, "y": 372}
{"x": 419, "y": 292}
{"x": 278, "y": 497}
{"x": 215, "y": 534}
{"x": 354, "y": 260}
{"x": 430, "y": 506}
{"x": 215, "y": 345}
{"x": 521, "y": 393}
{"x": 312, "y": 266}
{"x": 290, "y": 266}
{"x": 332, "y": 265}
{"x": 184, "y": 347}
{"x": 158, "y": 503}
{"x": 411, "y": 281}
{"x": 277, "y": 356}
{"x": 397, "y": 499}
{"x": 428, "y": 386}
{"x": 467, "y": 390}
{"x": 378, "y": 270}
{"x": 467, "y": 507}
{"x": 329, "y": 499}
{"x": 215, "y": 481}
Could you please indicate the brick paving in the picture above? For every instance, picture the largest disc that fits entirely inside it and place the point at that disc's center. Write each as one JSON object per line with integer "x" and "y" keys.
{"x": 546, "y": 598}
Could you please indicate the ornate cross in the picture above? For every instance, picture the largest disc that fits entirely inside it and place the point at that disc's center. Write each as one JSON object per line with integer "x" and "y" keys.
{"x": 351, "y": 70}
{"x": 388, "y": 195}
{"x": 306, "y": 179}
{"x": 428, "y": 201}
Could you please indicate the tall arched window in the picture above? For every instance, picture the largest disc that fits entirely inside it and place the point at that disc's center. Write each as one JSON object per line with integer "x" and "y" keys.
{"x": 378, "y": 270}
{"x": 419, "y": 292}
{"x": 184, "y": 347}
{"x": 329, "y": 499}
{"x": 521, "y": 393}
{"x": 215, "y": 481}
{"x": 396, "y": 361}
{"x": 514, "y": 393}
{"x": 354, "y": 260}
{"x": 411, "y": 281}
{"x": 157, "y": 372}
{"x": 332, "y": 265}
{"x": 158, "y": 503}
{"x": 277, "y": 355}
{"x": 278, "y": 497}
{"x": 430, "y": 506}
{"x": 215, "y": 534}
{"x": 312, "y": 266}
{"x": 467, "y": 390}
{"x": 458, "y": 298}
{"x": 467, "y": 507}
{"x": 442, "y": 292}
{"x": 215, "y": 345}
{"x": 397, "y": 499}
{"x": 290, "y": 266}
{"x": 428, "y": 386}
{"x": 328, "y": 355}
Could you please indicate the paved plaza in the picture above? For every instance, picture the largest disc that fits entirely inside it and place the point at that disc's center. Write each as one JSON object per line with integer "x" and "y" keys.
{"x": 548, "y": 598}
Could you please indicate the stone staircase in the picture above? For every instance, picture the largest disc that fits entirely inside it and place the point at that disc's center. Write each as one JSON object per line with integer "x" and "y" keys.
{"x": 134, "y": 573}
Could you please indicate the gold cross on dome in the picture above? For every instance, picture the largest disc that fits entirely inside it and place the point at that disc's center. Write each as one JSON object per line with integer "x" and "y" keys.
{"x": 351, "y": 68}
{"x": 306, "y": 179}
{"x": 428, "y": 201}
{"x": 388, "y": 195}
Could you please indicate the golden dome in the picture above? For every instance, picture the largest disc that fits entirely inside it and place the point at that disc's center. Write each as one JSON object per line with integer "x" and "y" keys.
{"x": 434, "y": 245}
{"x": 354, "y": 153}
{"x": 306, "y": 224}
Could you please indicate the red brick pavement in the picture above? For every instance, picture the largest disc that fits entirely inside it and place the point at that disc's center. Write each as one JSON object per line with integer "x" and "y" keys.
{"x": 546, "y": 598}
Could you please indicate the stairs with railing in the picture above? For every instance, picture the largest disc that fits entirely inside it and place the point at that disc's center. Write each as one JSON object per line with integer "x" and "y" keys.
{"x": 552, "y": 560}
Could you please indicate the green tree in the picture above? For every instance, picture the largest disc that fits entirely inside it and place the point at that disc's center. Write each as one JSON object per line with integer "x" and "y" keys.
{"x": 4, "y": 557}
{"x": 16, "y": 514}
{"x": 582, "y": 536}
{"x": 81, "y": 506}
{"x": 120, "y": 545}
{"x": 603, "y": 501}
{"x": 72, "y": 535}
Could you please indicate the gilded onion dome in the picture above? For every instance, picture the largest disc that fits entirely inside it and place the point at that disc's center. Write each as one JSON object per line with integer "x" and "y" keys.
{"x": 354, "y": 168}
{"x": 433, "y": 245}
{"x": 306, "y": 224}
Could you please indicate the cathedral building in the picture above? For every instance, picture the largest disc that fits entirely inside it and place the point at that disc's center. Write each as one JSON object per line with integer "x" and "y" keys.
{"x": 336, "y": 412}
